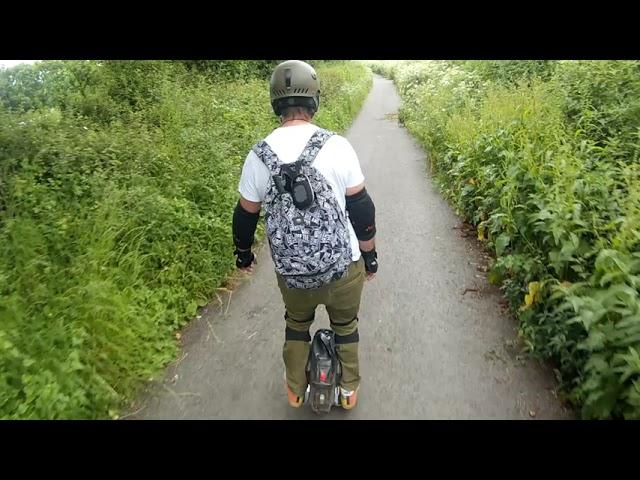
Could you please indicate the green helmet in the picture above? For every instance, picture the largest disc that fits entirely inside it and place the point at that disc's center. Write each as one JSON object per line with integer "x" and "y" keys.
{"x": 294, "y": 84}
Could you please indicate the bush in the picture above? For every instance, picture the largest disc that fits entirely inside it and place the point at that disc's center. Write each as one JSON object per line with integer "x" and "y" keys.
{"x": 542, "y": 159}
{"x": 115, "y": 222}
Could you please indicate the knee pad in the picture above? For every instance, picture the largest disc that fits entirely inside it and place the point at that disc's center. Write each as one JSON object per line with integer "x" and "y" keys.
{"x": 353, "y": 337}
{"x": 295, "y": 335}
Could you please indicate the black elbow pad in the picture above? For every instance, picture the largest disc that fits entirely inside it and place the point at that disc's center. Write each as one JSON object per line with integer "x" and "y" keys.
{"x": 362, "y": 213}
{"x": 244, "y": 227}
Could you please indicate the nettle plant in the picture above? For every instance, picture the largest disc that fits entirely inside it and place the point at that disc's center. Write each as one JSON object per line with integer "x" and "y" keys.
{"x": 541, "y": 157}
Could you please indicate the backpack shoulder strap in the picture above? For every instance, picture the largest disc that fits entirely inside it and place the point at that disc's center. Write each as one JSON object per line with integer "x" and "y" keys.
{"x": 267, "y": 156}
{"x": 315, "y": 143}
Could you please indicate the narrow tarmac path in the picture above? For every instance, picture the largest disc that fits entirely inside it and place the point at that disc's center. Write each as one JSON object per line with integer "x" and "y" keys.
{"x": 428, "y": 349}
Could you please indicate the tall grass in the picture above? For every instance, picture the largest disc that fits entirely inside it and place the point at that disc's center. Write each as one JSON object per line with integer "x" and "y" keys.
{"x": 117, "y": 186}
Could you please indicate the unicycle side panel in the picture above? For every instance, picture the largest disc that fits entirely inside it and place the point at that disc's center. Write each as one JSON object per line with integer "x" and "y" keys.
{"x": 323, "y": 373}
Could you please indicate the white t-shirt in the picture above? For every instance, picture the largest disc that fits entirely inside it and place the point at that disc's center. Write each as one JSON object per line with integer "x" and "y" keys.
{"x": 337, "y": 161}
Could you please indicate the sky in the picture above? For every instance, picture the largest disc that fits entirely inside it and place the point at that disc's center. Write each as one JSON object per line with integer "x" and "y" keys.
{"x": 13, "y": 63}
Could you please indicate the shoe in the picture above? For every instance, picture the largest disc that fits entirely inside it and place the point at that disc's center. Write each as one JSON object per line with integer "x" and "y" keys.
{"x": 348, "y": 398}
{"x": 295, "y": 400}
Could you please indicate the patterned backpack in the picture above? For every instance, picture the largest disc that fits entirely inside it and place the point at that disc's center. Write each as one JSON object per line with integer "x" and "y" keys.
{"x": 309, "y": 238}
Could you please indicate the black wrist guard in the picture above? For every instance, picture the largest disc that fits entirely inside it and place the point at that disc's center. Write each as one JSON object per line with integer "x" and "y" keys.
{"x": 244, "y": 258}
{"x": 370, "y": 261}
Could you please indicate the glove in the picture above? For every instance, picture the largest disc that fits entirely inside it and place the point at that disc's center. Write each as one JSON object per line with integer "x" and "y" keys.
{"x": 244, "y": 259}
{"x": 370, "y": 261}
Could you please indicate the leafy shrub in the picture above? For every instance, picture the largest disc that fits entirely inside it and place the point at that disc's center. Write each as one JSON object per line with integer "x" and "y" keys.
{"x": 542, "y": 157}
{"x": 116, "y": 198}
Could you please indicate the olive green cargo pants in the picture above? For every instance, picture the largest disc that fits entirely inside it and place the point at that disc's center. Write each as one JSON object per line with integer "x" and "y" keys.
{"x": 342, "y": 301}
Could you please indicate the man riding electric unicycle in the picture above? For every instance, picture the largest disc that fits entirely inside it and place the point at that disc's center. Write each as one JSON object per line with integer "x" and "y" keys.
{"x": 320, "y": 223}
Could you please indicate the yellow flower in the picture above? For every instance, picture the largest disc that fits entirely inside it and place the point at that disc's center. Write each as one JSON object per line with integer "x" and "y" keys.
{"x": 533, "y": 295}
